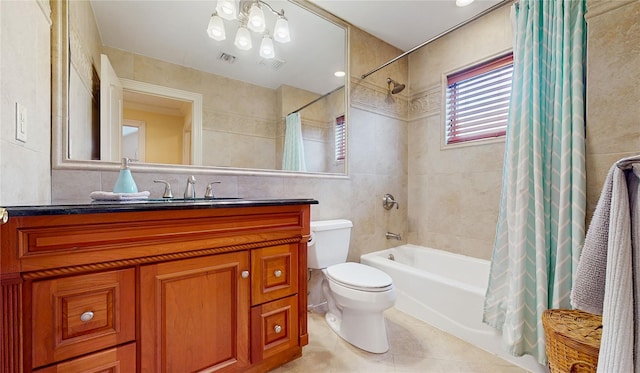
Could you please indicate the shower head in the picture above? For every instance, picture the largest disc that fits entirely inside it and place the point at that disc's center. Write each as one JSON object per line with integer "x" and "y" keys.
{"x": 397, "y": 87}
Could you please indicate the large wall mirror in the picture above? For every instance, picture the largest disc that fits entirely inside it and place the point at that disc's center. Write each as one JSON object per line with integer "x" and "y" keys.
{"x": 151, "y": 80}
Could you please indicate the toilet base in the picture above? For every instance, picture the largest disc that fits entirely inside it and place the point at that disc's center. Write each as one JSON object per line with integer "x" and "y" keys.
{"x": 366, "y": 331}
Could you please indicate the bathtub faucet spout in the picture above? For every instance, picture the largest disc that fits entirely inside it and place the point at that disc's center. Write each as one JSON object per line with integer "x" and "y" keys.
{"x": 390, "y": 235}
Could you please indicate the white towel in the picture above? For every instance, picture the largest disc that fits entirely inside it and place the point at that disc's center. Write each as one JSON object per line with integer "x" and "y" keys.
{"x": 111, "y": 196}
{"x": 608, "y": 275}
{"x": 617, "y": 344}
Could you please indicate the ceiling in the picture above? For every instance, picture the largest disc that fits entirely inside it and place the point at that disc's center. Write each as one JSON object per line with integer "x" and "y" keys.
{"x": 175, "y": 31}
{"x": 404, "y": 23}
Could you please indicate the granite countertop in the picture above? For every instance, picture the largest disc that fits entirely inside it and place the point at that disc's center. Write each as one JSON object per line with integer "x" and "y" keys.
{"x": 150, "y": 205}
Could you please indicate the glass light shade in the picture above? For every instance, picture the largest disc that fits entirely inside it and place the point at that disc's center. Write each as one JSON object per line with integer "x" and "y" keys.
{"x": 256, "y": 21}
{"x": 281, "y": 31}
{"x": 243, "y": 39}
{"x": 266, "y": 47}
{"x": 227, "y": 9}
{"x": 216, "y": 28}
{"x": 462, "y": 3}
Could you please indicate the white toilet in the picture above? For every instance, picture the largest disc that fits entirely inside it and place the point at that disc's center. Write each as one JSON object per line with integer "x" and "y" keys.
{"x": 356, "y": 294}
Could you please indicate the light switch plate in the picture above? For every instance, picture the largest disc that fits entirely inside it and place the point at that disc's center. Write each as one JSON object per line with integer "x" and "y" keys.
{"x": 21, "y": 122}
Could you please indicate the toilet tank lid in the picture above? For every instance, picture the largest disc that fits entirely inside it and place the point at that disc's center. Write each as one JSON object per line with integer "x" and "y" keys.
{"x": 323, "y": 225}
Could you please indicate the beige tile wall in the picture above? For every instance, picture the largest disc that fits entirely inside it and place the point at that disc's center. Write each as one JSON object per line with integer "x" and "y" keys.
{"x": 454, "y": 192}
{"x": 613, "y": 88}
{"x": 25, "y": 77}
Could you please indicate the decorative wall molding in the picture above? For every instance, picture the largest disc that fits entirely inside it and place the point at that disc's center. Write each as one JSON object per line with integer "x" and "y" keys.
{"x": 425, "y": 103}
{"x": 599, "y": 7}
{"x": 376, "y": 99}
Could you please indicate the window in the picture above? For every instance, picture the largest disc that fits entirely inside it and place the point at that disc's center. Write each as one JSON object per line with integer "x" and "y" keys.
{"x": 478, "y": 101}
{"x": 341, "y": 138}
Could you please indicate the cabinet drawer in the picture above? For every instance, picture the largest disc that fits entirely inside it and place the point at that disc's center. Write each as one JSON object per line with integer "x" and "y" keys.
{"x": 274, "y": 273}
{"x": 115, "y": 360}
{"x": 81, "y": 314}
{"x": 274, "y": 328}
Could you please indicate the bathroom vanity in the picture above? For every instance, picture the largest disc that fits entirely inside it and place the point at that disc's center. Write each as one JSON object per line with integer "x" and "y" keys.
{"x": 215, "y": 286}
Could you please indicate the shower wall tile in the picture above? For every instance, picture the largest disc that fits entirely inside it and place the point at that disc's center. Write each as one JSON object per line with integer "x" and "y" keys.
{"x": 454, "y": 191}
{"x": 613, "y": 92}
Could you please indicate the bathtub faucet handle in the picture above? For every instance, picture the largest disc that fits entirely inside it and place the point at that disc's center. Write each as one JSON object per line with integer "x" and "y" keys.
{"x": 388, "y": 201}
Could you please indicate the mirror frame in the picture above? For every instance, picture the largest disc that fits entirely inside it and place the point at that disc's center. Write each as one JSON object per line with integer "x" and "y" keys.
{"x": 60, "y": 159}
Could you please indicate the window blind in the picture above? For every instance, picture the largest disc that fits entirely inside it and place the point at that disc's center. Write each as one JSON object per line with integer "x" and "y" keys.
{"x": 478, "y": 101}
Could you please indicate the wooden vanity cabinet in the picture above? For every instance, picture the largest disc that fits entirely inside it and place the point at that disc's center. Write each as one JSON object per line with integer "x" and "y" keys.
{"x": 194, "y": 314}
{"x": 185, "y": 290}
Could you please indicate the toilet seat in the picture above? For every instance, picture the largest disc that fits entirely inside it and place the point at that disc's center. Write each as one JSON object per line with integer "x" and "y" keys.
{"x": 359, "y": 277}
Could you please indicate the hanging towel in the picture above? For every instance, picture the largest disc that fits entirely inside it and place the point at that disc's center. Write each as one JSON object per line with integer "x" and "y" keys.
{"x": 587, "y": 293}
{"x": 613, "y": 249}
{"x": 111, "y": 196}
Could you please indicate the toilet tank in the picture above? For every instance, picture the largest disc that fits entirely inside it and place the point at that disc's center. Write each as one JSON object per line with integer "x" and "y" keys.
{"x": 329, "y": 243}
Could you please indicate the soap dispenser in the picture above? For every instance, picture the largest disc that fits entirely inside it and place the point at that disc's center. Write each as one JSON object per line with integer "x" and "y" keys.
{"x": 125, "y": 183}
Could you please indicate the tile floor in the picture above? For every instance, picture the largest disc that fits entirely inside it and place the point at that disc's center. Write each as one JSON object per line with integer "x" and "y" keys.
{"x": 415, "y": 347}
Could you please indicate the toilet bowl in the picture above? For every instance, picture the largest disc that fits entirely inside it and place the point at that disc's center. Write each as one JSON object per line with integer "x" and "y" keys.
{"x": 356, "y": 294}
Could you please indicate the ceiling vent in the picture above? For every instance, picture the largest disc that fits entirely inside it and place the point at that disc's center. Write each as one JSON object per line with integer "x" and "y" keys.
{"x": 226, "y": 57}
{"x": 272, "y": 63}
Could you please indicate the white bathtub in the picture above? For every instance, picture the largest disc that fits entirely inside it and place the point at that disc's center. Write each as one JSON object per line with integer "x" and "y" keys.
{"x": 447, "y": 291}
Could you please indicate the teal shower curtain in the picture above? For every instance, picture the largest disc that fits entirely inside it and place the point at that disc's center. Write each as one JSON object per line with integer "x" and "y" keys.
{"x": 541, "y": 222}
{"x": 293, "y": 152}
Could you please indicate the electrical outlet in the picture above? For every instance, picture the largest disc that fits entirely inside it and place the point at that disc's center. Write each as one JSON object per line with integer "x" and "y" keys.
{"x": 21, "y": 122}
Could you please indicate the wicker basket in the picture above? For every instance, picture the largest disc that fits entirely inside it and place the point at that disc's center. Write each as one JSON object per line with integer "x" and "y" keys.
{"x": 573, "y": 340}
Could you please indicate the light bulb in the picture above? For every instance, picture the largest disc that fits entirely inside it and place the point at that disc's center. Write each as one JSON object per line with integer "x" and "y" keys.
{"x": 266, "y": 47}
{"x": 243, "y": 39}
{"x": 281, "y": 31}
{"x": 216, "y": 28}
{"x": 256, "y": 21}
{"x": 462, "y": 3}
{"x": 227, "y": 9}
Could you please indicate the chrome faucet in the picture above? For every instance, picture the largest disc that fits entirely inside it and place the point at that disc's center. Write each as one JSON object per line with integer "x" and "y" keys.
{"x": 167, "y": 188}
{"x": 390, "y": 235}
{"x": 208, "y": 194}
{"x": 190, "y": 190}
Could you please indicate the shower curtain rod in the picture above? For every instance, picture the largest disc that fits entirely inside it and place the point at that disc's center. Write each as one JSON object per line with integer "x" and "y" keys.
{"x": 316, "y": 100}
{"x": 486, "y": 11}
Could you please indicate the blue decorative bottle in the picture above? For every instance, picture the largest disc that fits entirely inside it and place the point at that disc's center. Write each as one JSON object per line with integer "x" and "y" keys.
{"x": 125, "y": 182}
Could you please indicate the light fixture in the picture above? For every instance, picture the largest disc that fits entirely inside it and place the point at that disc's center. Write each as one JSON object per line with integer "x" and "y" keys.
{"x": 256, "y": 22}
{"x": 227, "y": 9}
{"x": 339, "y": 74}
{"x": 250, "y": 15}
{"x": 243, "y": 39}
{"x": 462, "y": 3}
{"x": 281, "y": 30}
{"x": 215, "y": 30}
{"x": 266, "y": 47}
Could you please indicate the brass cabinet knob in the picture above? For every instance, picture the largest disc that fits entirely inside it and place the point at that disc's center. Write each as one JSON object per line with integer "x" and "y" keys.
{"x": 277, "y": 273}
{"x": 86, "y": 316}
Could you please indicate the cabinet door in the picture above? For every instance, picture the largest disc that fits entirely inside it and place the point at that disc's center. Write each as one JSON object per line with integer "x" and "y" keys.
{"x": 116, "y": 360}
{"x": 195, "y": 314}
{"x": 274, "y": 327}
{"x": 81, "y": 314}
{"x": 274, "y": 273}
